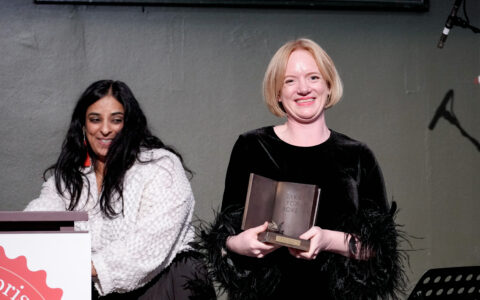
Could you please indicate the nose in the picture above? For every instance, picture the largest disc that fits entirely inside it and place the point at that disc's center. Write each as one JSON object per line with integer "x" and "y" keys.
{"x": 303, "y": 87}
{"x": 105, "y": 130}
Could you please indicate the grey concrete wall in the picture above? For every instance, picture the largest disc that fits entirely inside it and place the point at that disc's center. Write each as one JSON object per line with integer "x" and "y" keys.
{"x": 197, "y": 73}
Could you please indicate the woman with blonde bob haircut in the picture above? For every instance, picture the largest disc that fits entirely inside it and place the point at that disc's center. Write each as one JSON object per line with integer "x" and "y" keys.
{"x": 353, "y": 250}
{"x": 275, "y": 74}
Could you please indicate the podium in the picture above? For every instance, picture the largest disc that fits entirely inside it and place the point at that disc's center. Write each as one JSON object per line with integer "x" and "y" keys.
{"x": 43, "y": 257}
{"x": 459, "y": 283}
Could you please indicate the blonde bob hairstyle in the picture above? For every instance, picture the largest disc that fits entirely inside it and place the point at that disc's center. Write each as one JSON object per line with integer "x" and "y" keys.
{"x": 275, "y": 74}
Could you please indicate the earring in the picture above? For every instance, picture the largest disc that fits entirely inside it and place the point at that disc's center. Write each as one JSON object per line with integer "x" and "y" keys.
{"x": 87, "y": 163}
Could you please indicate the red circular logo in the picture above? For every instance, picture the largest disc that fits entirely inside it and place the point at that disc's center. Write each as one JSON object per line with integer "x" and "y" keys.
{"x": 17, "y": 282}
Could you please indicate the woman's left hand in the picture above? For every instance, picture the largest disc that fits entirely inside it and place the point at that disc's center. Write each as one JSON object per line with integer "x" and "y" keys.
{"x": 325, "y": 240}
{"x": 318, "y": 242}
{"x": 94, "y": 271}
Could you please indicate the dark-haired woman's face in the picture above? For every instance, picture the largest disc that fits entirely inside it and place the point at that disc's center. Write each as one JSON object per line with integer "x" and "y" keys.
{"x": 103, "y": 121}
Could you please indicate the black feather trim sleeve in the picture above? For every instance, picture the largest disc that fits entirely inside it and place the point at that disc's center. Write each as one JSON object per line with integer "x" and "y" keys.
{"x": 381, "y": 276}
{"x": 241, "y": 276}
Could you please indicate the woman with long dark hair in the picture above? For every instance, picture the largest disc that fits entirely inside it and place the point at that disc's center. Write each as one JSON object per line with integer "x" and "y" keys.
{"x": 135, "y": 191}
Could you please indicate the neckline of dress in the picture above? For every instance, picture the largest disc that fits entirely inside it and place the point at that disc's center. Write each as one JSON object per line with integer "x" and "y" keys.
{"x": 322, "y": 144}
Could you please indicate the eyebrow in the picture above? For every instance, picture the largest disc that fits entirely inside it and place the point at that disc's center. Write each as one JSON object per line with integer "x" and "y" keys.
{"x": 113, "y": 114}
{"x": 308, "y": 73}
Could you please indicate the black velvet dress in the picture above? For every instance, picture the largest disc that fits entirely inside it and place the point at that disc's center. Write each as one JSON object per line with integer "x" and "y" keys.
{"x": 352, "y": 200}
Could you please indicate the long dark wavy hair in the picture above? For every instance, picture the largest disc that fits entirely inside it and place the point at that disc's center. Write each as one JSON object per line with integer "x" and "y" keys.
{"x": 122, "y": 153}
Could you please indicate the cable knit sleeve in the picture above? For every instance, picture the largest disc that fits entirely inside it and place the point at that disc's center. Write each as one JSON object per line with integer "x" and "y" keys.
{"x": 49, "y": 199}
{"x": 152, "y": 231}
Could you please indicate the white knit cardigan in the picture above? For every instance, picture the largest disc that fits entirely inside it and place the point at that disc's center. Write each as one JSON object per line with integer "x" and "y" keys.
{"x": 131, "y": 249}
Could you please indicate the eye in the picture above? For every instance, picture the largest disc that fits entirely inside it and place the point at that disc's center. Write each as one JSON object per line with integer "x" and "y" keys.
{"x": 118, "y": 121}
{"x": 314, "y": 77}
{"x": 289, "y": 81}
{"x": 94, "y": 120}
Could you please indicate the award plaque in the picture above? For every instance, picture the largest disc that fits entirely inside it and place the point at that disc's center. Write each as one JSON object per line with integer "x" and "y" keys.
{"x": 290, "y": 209}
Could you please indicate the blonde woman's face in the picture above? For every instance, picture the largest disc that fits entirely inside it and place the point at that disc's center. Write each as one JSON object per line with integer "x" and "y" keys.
{"x": 304, "y": 92}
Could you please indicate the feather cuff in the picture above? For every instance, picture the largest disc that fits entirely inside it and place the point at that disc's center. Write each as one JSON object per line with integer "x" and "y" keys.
{"x": 381, "y": 276}
{"x": 240, "y": 276}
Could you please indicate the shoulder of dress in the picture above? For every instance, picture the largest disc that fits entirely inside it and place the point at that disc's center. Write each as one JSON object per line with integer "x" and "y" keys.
{"x": 343, "y": 140}
{"x": 259, "y": 132}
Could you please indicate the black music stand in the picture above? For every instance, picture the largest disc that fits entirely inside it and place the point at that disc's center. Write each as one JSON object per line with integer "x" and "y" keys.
{"x": 459, "y": 283}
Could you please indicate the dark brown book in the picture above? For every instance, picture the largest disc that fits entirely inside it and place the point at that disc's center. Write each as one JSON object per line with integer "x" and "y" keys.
{"x": 289, "y": 207}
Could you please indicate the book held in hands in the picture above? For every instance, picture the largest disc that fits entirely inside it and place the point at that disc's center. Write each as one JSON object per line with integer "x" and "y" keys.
{"x": 290, "y": 209}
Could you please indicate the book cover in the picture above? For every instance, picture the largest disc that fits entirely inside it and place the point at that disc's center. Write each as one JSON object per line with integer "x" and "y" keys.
{"x": 289, "y": 207}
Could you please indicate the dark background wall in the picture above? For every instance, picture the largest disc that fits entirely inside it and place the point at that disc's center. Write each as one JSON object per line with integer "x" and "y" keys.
{"x": 197, "y": 73}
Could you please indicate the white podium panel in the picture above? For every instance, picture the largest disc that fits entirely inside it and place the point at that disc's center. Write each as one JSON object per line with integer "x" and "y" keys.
{"x": 46, "y": 266}
{"x": 42, "y": 257}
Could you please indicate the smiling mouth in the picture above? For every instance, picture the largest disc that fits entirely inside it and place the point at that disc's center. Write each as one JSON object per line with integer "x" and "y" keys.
{"x": 300, "y": 101}
{"x": 105, "y": 142}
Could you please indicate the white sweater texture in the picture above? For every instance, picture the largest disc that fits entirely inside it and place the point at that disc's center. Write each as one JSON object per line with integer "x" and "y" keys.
{"x": 131, "y": 249}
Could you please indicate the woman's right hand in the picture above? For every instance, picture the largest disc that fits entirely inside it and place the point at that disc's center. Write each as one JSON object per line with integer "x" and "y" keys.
{"x": 247, "y": 243}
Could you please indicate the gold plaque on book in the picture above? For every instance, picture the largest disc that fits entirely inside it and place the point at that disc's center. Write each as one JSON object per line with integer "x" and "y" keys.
{"x": 289, "y": 207}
